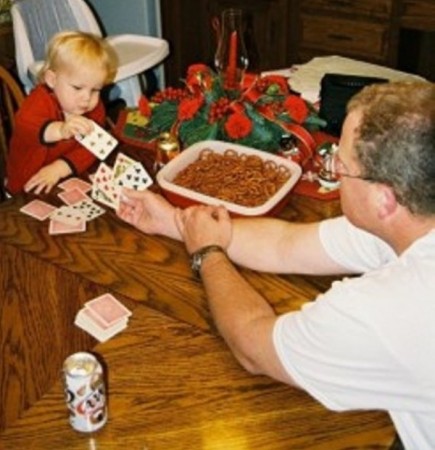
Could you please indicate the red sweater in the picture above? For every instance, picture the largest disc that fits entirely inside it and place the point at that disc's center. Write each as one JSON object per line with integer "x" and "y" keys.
{"x": 28, "y": 152}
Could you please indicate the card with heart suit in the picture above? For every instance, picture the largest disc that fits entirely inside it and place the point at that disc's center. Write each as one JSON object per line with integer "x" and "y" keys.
{"x": 99, "y": 142}
{"x": 57, "y": 227}
{"x": 103, "y": 189}
{"x": 75, "y": 183}
{"x": 38, "y": 209}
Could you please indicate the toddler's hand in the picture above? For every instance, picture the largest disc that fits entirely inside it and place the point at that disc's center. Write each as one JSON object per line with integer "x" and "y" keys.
{"x": 47, "y": 177}
{"x": 76, "y": 125}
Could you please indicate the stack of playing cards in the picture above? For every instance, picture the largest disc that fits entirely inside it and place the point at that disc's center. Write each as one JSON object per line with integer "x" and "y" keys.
{"x": 107, "y": 182}
{"x": 74, "y": 215}
{"x": 103, "y": 317}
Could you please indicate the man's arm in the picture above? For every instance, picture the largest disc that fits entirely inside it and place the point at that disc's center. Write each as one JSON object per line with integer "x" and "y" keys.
{"x": 263, "y": 244}
{"x": 244, "y": 319}
{"x": 277, "y": 246}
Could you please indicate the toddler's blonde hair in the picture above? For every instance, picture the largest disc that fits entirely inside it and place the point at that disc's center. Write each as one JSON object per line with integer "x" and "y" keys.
{"x": 70, "y": 49}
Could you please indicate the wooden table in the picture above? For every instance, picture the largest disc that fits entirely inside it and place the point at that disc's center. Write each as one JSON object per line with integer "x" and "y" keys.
{"x": 172, "y": 381}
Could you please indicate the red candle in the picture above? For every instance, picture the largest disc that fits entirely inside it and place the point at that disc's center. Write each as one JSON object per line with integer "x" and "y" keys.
{"x": 232, "y": 61}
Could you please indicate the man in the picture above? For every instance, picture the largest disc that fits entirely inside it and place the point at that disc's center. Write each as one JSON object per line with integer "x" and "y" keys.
{"x": 369, "y": 342}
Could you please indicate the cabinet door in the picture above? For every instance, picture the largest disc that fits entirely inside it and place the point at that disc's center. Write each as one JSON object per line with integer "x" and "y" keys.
{"x": 418, "y": 15}
{"x": 188, "y": 26}
{"x": 380, "y": 9}
{"x": 364, "y": 40}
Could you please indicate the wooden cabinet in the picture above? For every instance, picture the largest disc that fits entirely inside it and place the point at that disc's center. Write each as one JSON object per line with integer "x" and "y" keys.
{"x": 418, "y": 15}
{"x": 188, "y": 26}
{"x": 359, "y": 29}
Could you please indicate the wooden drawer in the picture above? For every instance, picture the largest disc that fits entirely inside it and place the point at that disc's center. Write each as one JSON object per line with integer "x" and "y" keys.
{"x": 356, "y": 8}
{"x": 418, "y": 15}
{"x": 345, "y": 37}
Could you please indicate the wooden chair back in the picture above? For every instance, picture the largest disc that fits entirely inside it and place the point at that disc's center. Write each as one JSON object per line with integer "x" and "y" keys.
{"x": 11, "y": 97}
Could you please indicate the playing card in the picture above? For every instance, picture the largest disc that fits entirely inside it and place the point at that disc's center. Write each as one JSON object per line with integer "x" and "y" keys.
{"x": 67, "y": 215}
{"x": 92, "y": 321}
{"x": 99, "y": 142}
{"x": 88, "y": 209}
{"x": 38, "y": 209}
{"x": 73, "y": 196}
{"x": 101, "y": 197}
{"x": 56, "y": 227}
{"x": 122, "y": 162}
{"x": 86, "y": 322}
{"x": 103, "y": 188}
{"x": 75, "y": 183}
{"x": 108, "y": 309}
{"x": 134, "y": 177}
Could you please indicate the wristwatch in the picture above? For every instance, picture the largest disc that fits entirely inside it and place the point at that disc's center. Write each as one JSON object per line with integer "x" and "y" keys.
{"x": 197, "y": 258}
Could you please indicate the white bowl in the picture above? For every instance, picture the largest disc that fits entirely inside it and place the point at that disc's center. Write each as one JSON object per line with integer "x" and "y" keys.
{"x": 184, "y": 197}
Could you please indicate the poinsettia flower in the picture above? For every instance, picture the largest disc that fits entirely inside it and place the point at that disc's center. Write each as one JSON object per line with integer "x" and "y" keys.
{"x": 238, "y": 125}
{"x": 189, "y": 107}
{"x": 296, "y": 108}
{"x": 275, "y": 84}
{"x": 144, "y": 106}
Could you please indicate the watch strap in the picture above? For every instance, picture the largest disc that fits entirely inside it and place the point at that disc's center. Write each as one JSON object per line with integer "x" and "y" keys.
{"x": 198, "y": 257}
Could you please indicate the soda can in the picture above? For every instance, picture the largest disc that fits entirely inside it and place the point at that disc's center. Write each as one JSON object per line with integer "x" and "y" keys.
{"x": 167, "y": 148}
{"x": 85, "y": 392}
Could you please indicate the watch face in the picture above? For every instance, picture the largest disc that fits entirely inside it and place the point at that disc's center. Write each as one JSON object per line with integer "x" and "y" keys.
{"x": 196, "y": 262}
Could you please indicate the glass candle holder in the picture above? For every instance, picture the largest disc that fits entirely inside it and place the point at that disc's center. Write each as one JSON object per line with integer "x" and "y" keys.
{"x": 231, "y": 58}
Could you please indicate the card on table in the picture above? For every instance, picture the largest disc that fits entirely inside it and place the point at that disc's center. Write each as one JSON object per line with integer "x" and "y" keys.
{"x": 88, "y": 323}
{"x": 68, "y": 215}
{"x": 57, "y": 227}
{"x": 88, "y": 209}
{"x": 103, "y": 317}
{"x": 38, "y": 209}
{"x": 99, "y": 142}
{"x": 75, "y": 183}
{"x": 108, "y": 309}
{"x": 70, "y": 197}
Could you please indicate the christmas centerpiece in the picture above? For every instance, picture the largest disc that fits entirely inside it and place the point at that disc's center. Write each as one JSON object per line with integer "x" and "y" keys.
{"x": 262, "y": 112}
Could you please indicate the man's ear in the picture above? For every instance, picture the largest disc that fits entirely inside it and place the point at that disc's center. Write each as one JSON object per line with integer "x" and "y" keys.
{"x": 50, "y": 78}
{"x": 386, "y": 201}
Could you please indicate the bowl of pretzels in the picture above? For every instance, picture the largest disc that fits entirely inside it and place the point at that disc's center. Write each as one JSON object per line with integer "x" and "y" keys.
{"x": 248, "y": 182}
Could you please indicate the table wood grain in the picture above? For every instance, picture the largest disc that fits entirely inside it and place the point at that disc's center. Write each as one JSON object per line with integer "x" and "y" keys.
{"x": 173, "y": 382}
{"x": 173, "y": 386}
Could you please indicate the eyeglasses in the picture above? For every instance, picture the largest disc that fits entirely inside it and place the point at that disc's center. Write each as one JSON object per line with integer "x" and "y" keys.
{"x": 334, "y": 169}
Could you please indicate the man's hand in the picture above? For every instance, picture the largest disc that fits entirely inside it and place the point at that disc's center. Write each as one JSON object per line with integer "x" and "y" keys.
{"x": 148, "y": 212}
{"x": 204, "y": 225}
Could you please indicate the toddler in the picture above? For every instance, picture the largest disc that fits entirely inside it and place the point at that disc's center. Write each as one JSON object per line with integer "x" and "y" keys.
{"x": 64, "y": 103}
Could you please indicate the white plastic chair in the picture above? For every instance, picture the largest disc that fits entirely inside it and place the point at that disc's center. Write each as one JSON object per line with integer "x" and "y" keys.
{"x": 35, "y": 21}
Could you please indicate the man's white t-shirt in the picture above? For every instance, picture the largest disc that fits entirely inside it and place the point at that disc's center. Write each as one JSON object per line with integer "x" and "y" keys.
{"x": 369, "y": 342}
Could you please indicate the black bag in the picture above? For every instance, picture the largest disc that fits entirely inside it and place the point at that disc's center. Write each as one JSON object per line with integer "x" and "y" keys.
{"x": 335, "y": 91}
